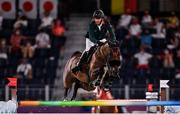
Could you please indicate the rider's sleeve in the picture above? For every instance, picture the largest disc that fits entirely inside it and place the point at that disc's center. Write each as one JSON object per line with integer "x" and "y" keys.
{"x": 92, "y": 36}
{"x": 111, "y": 32}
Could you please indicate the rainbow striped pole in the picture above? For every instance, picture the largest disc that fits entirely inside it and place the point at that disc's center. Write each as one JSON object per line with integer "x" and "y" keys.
{"x": 99, "y": 103}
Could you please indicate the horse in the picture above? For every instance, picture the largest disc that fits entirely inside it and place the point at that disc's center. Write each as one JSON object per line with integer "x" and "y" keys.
{"x": 104, "y": 95}
{"x": 104, "y": 60}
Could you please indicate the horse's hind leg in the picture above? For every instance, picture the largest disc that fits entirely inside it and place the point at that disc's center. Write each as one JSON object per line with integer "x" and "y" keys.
{"x": 65, "y": 93}
{"x": 76, "y": 86}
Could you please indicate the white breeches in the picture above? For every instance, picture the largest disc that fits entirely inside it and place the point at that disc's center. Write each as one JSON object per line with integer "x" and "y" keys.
{"x": 89, "y": 44}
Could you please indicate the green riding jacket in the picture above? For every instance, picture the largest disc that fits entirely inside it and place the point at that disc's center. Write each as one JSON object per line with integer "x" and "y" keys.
{"x": 106, "y": 32}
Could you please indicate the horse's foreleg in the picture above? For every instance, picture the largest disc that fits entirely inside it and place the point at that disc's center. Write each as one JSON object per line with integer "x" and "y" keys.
{"x": 109, "y": 82}
{"x": 76, "y": 86}
{"x": 99, "y": 73}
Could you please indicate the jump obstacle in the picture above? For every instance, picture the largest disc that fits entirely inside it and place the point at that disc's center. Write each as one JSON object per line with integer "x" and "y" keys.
{"x": 141, "y": 102}
{"x": 151, "y": 100}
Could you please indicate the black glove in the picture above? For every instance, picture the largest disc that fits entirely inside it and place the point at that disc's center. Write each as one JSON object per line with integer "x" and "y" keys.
{"x": 100, "y": 43}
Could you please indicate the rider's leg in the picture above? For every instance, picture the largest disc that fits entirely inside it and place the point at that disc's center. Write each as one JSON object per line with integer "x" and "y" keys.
{"x": 89, "y": 48}
{"x": 81, "y": 62}
{"x": 84, "y": 57}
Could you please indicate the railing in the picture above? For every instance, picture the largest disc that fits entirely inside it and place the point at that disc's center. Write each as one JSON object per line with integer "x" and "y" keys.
{"x": 44, "y": 93}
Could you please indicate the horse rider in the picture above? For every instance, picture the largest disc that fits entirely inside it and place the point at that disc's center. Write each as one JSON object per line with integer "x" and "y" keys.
{"x": 98, "y": 32}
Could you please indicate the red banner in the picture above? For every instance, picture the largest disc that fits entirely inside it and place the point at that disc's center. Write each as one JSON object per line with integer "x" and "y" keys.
{"x": 8, "y": 8}
{"x": 29, "y": 7}
{"x": 12, "y": 82}
{"x": 131, "y": 4}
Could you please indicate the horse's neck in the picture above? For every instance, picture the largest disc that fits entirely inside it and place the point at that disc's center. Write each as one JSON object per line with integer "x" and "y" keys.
{"x": 105, "y": 50}
{"x": 102, "y": 53}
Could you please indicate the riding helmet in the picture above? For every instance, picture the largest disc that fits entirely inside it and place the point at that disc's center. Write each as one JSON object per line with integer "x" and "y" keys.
{"x": 98, "y": 14}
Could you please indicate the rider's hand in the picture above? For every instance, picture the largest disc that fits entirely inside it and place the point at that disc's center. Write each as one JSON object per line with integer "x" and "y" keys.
{"x": 100, "y": 43}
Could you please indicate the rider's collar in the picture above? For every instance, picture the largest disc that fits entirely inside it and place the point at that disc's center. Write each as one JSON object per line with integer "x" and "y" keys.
{"x": 99, "y": 26}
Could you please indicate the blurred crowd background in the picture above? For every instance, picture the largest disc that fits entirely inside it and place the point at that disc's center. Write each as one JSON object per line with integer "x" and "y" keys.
{"x": 33, "y": 40}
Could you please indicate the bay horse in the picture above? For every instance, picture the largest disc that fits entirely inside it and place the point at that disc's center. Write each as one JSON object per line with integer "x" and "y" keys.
{"x": 105, "y": 56}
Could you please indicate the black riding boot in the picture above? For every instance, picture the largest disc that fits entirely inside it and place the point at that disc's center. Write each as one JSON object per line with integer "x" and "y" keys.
{"x": 81, "y": 62}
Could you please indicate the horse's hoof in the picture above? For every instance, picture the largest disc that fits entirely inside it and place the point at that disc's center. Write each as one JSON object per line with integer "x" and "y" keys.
{"x": 65, "y": 100}
{"x": 106, "y": 89}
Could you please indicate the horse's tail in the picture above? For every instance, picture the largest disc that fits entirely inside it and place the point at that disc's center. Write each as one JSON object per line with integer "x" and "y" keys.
{"x": 76, "y": 53}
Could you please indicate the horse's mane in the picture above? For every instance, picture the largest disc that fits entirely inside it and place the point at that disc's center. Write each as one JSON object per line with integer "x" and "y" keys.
{"x": 76, "y": 53}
